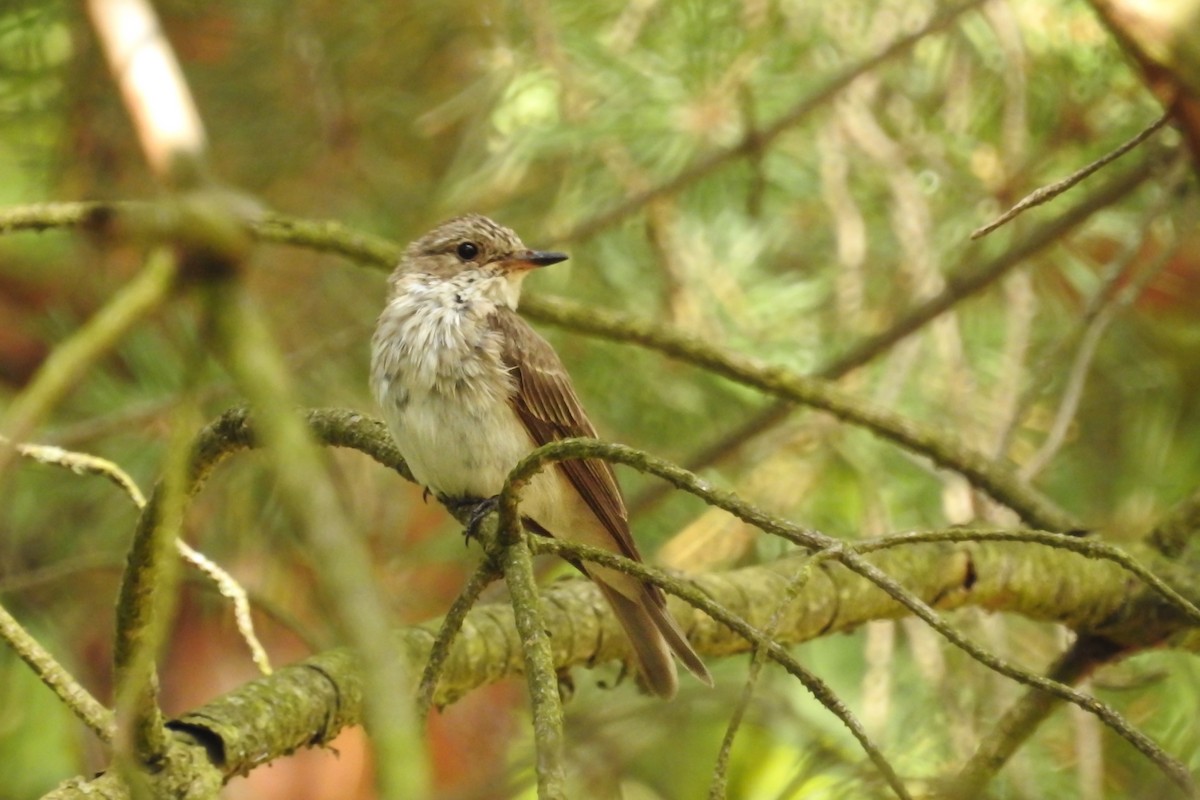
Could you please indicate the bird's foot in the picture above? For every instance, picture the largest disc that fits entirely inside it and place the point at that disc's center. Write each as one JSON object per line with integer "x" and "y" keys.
{"x": 476, "y": 510}
{"x": 479, "y": 513}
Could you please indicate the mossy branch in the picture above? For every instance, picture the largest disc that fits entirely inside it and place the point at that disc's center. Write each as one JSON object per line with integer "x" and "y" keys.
{"x": 306, "y": 704}
{"x": 976, "y": 570}
{"x": 847, "y": 555}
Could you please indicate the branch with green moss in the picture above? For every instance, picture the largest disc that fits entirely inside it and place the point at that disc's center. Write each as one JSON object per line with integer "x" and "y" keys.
{"x": 1032, "y": 573}
{"x": 306, "y": 704}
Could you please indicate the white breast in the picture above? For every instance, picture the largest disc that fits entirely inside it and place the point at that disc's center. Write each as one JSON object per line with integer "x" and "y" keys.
{"x": 437, "y": 373}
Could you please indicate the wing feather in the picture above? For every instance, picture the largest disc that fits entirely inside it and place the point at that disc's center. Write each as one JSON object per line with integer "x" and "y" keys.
{"x": 548, "y": 406}
{"x": 546, "y": 403}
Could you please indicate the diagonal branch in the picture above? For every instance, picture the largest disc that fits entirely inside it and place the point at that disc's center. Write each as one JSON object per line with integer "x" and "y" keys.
{"x": 845, "y": 554}
{"x": 965, "y": 282}
{"x": 997, "y": 480}
{"x": 1023, "y": 718}
{"x": 71, "y": 359}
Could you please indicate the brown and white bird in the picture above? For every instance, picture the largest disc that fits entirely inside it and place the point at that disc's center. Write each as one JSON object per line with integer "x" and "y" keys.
{"x": 468, "y": 389}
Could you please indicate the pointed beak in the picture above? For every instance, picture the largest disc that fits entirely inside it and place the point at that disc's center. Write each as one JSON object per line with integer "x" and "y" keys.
{"x": 530, "y": 259}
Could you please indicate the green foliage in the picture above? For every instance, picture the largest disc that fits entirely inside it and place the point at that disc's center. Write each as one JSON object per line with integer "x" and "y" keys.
{"x": 546, "y": 115}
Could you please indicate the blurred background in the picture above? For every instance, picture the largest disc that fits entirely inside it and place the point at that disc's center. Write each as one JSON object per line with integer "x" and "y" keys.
{"x": 544, "y": 114}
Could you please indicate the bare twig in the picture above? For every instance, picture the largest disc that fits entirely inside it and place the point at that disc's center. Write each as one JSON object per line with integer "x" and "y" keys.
{"x": 1053, "y": 190}
{"x": 229, "y": 588}
{"x": 84, "y": 463}
{"x": 484, "y": 574}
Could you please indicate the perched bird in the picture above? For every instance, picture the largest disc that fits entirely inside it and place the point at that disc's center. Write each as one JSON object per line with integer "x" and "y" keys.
{"x": 468, "y": 389}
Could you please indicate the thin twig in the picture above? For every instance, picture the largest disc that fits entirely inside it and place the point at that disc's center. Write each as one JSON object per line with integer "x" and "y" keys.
{"x": 852, "y": 560}
{"x": 761, "y": 652}
{"x": 483, "y": 575}
{"x": 1040, "y": 375}
{"x": 997, "y": 480}
{"x": 529, "y": 466}
{"x": 1089, "y": 547}
{"x": 30, "y": 580}
{"x": 1023, "y": 717}
{"x": 233, "y": 591}
{"x": 90, "y": 711}
{"x": 85, "y": 463}
{"x": 1053, "y": 190}
{"x": 1175, "y": 770}
{"x": 752, "y": 635}
{"x": 1081, "y": 365}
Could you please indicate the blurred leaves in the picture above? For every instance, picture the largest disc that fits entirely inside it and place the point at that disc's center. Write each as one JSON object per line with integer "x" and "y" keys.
{"x": 544, "y": 114}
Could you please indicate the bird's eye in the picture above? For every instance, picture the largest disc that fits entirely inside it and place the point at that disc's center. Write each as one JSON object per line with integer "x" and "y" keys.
{"x": 467, "y": 251}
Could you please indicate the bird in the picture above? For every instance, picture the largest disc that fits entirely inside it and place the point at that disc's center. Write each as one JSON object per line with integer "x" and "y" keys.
{"x": 467, "y": 389}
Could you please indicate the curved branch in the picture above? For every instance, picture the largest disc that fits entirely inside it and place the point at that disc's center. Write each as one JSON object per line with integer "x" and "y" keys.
{"x": 847, "y": 556}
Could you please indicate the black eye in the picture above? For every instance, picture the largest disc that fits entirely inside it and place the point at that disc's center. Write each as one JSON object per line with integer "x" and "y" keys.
{"x": 467, "y": 250}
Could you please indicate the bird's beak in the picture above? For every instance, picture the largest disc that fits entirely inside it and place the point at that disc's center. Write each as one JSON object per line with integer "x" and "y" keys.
{"x": 530, "y": 259}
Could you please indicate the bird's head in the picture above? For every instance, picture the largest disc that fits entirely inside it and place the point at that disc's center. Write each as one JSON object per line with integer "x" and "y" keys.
{"x": 473, "y": 243}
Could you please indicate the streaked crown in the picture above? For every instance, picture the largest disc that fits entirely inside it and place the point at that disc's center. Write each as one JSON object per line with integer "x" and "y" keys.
{"x": 465, "y": 242}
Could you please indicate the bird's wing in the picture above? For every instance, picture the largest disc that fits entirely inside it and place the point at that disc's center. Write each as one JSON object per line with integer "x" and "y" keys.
{"x": 546, "y": 403}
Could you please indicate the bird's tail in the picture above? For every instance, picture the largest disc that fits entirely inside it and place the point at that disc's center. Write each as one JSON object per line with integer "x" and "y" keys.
{"x": 654, "y": 634}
